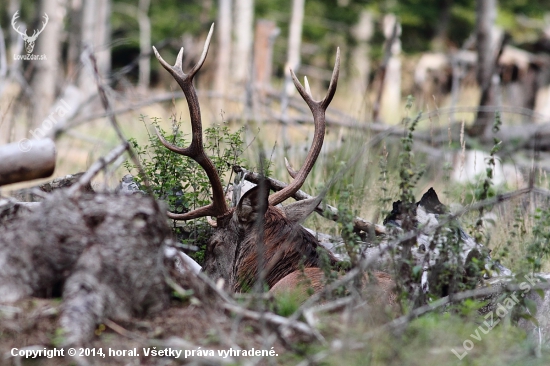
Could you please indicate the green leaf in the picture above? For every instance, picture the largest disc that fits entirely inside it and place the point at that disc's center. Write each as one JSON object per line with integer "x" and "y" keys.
{"x": 531, "y": 306}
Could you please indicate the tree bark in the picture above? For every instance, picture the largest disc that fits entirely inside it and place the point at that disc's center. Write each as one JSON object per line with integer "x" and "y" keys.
{"x": 224, "y": 51}
{"x": 26, "y": 160}
{"x": 266, "y": 31}
{"x": 391, "y": 99}
{"x": 96, "y": 35}
{"x": 244, "y": 19}
{"x": 15, "y": 39}
{"x": 103, "y": 253}
{"x": 75, "y": 36}
{"x": 488, "y": 46}
{"x": 144, "y": 45}
{"x": 442, "y": 26}
{"x": 389, "y": 75}
{"x": 294, "y": 43}
{"x": 362, "y": 32}
{"x": 46, "y": 76}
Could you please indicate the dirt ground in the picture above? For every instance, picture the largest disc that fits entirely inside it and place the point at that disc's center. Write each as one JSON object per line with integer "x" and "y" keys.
{"x": 193, "y": 326}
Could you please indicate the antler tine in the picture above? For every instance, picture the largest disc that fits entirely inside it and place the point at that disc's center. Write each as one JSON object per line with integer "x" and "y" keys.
{"x": 306, "y": 92}
{"x": 176, "y": 70}
{"x": 196, "y": 149}
{"x": 318, "y": 109}
{"x": 308, "y": 89}
{"x": 333, "y": 81}
{"x": 204, "y": 53}
{"x": 290, "y": 169}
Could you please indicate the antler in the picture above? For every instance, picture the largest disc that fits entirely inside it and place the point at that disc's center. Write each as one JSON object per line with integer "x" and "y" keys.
{"x": 318, "y": 109}
{"x": 34, "y": 34}
{"x": 196, "y": 149}
{"x": 15, "y": 16}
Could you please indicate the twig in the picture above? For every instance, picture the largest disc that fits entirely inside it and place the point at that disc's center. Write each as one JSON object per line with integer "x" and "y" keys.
{"x": 116, "y": 127}
{"x": 123, "y": 332}
{"x": 221, "y": 293}
{"x": 100, "y": 164}
{"x": 382, "y": 249}
{"x": 333, "y": 305}
{"x": 352, "y": 274}
{"x": 358, "y": 222}
{"x": 275, "y": 319}
{"x": 485, "y": 291}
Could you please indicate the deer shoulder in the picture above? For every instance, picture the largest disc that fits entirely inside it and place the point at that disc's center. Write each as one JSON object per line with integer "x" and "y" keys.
{"x": 380, "y": 288}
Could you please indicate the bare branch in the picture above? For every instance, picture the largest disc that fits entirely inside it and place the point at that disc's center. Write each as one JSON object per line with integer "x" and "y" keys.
{"x": 358, "y": 222}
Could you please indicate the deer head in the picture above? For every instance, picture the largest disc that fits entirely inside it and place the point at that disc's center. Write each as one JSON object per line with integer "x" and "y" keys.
{"x": 234, "y": 252}
{"x": 29, "y": 40}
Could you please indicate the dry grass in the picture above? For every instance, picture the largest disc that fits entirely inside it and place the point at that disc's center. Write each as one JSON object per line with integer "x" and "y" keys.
{"x": 427, "y": 341}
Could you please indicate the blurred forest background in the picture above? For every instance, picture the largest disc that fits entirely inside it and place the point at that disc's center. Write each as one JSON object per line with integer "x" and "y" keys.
{"x": 461, "y": 60}
{"x": 478, "y": 73}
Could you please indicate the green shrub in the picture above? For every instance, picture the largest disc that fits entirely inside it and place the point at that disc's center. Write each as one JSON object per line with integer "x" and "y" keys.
{"x": 180, "y": 181}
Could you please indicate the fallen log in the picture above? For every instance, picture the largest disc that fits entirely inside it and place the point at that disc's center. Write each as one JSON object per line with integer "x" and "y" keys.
{"x": 26, "y": 160}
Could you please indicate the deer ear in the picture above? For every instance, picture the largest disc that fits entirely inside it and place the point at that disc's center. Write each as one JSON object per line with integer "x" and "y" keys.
{"x": 298, "y": 211}
{"x": 252, "y": 203}
{"x": 431, "y": 203}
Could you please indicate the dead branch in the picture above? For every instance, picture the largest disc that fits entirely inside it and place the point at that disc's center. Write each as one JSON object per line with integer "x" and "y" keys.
{"x": 274, "y": 319}
{"x": 309, "y": 313}
{"x": 116, "y": 127}
{"x": 277, "y": 185}
{"x": 100, "y": 164}
{"x": 26, "y": 160}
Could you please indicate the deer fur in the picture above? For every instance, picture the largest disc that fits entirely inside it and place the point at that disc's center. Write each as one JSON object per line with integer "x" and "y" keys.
{"x": 255, "y": 234}
{"x": 303, "y": 283}
{"x": 232, "y": 252}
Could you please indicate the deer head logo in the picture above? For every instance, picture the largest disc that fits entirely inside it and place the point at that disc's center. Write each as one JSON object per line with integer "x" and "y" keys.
{"x": 29, "y": 41}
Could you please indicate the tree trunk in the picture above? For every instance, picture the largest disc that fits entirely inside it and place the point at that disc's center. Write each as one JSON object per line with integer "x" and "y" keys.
{"x": 144, "y": 45}
{"x": 488, "y": 48}
{"x": 96, "y": 34}
{"x": 46, "y": 76}
{"x": 388, "y": 99}
{"x": 266, "y": 31}
{"x": 294, "y": 43}
{"x": 103, "y": 35}
{"x": 244, "y": 18}
{"x": 15, "y": 39}
{"x": 242, "y": 53}
{"x": 442, "y": 26}
{"x": 293, "y": 61}
{"x": 224, "y": 51}
{"x": 263, "y": 53}
{"x": 362, "y": 32}
{"x": 75, "y": 36}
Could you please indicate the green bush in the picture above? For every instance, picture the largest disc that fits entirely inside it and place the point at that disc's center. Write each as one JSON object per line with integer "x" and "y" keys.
{"x": 180, "y": 181}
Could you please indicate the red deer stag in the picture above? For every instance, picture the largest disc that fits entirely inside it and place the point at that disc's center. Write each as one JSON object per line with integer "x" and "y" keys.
{"x": 232, "y": 252}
